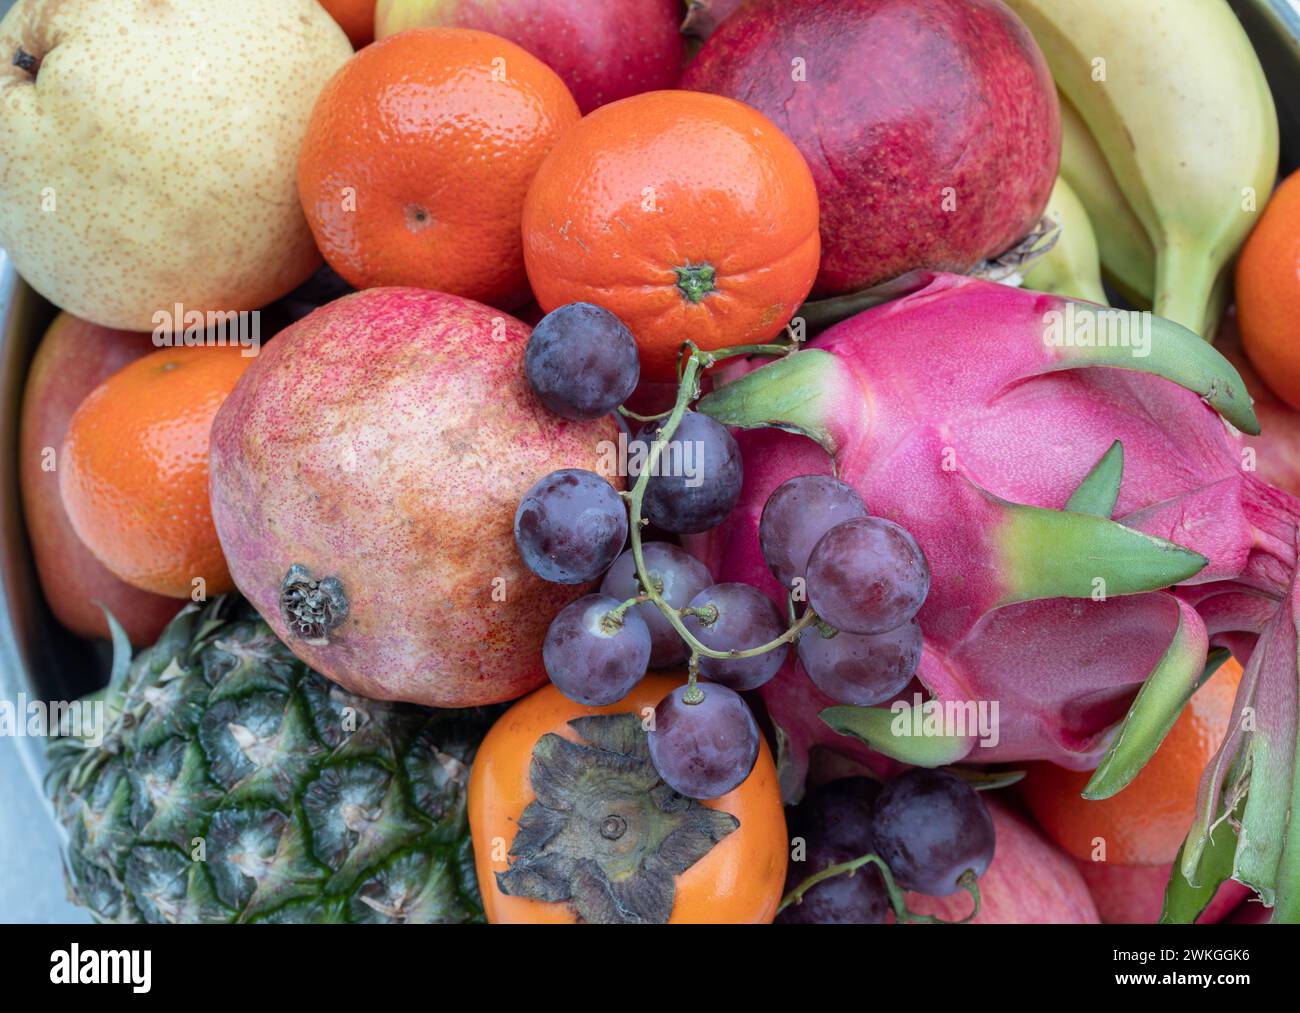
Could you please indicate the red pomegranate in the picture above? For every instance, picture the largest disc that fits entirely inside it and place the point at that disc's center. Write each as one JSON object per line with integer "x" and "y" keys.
{"x": 931, "y": 126}
{"x": 365, "y": 475}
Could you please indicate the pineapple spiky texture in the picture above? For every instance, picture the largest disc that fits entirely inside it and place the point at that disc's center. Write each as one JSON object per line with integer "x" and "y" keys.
{"x": 233, "y": 783}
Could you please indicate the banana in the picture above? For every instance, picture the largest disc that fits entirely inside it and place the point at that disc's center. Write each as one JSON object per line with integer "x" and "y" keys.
{"x": 1128, "y": 260}
{"x": 1071, "y": 267}
{"x": 1177, "y": 101}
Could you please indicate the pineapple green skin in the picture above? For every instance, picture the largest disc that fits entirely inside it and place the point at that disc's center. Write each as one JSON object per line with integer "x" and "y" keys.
{"x": 235, "y": 784}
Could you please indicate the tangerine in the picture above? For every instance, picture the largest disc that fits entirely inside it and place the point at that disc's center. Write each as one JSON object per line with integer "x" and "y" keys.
{"x": 688, "y": 215}
{"x": 417, "y": 158}
{"x": 133, "y": 472}
{"x": 1145, "y": 823}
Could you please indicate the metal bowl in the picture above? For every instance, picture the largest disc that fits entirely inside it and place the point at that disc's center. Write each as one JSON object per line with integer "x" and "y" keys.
{"x": 37, "y": 655}
{"x": 40, "y": 658}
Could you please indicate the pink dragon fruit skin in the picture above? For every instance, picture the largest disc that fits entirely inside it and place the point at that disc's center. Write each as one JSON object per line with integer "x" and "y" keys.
{"x": 953, "y": 416}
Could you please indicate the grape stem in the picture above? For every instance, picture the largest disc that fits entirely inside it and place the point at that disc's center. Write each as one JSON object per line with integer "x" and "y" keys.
{"x": 613, "y": 619}
{"x": 693, "y": 361}
{"x": 968, "y": 881}
{"x": 628, "y": 413}
{"x": 713, "y": 358}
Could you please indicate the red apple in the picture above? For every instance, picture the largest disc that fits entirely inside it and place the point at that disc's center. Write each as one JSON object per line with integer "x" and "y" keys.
{"x": 355, "y": 17}
{"x": 603, "y": 51}
{"x": 74, "y": 357}
{"x": 704, "y": 16}
{"x": 1134, "y": 894}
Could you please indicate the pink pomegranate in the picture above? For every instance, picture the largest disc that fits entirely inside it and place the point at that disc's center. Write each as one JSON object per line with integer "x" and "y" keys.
{"x": 365, "y": 475}
{"x": 931, "y": 126}
{"x": 972, "y": 414}
{"x": 1031, "y": 880}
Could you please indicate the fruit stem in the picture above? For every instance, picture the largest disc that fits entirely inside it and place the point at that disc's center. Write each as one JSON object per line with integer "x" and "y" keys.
{"x": 1183, "y": 285}
{"x": 826, "y": 630}
{"x": 629, "y": 414}
{"x": 693, "y": 694}
{"x": 687, "y": 391}
{"x": 708, "y": 615}
{"x": 711, "y": 359}
{"x": 969, "y": 882}
{"x": 613, "y": 619}
{"x": 26, "y": 61}
{"x": 695, "y": 281}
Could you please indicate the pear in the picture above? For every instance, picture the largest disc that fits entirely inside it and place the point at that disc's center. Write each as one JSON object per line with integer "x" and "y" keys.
{"x": 148, "y": 148}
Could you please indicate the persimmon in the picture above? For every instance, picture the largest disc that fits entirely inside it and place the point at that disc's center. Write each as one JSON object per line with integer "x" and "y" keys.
{"x": 589, "y": 844}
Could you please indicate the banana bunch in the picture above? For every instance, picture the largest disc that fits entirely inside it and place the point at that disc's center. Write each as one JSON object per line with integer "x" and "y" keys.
{"x": 1169, "y": 139}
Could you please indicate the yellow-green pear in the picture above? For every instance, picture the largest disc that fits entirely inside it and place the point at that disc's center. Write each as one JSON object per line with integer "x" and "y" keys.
{"x": 148, "y": 151}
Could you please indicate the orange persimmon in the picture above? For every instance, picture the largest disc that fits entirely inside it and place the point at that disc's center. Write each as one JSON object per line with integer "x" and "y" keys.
{"x": 738, "y": 879}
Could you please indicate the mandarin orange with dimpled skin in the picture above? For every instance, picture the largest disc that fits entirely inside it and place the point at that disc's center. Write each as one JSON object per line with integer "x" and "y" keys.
{"x": 1268, "y": 292}
{"x": 1145, "y": 823}
{"x": 418, "y": 156}
{"x": 690, "y": 216}
{"x": 133, "y": 471}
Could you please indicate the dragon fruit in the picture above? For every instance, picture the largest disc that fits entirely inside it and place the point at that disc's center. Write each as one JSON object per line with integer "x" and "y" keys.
{"x": 972, "y": 414}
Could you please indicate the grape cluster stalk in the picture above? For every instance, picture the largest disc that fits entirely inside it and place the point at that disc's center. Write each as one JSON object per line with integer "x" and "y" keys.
{"x": 693, "y": 362}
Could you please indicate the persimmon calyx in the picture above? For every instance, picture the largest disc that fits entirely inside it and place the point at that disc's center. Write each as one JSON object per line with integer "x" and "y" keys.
{"x": 605, "y": 834}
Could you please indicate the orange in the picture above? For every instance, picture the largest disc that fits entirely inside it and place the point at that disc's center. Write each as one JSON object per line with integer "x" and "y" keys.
{"x": 355, "y": 17}
{"x": 1145, "y": 823}
{"x": 686, "y": 214}
{"x": 740, "y": 879}
{"x": 1268, "y": 292}
{"x": 133, "y": 472}
{"x": 417, "y": 158}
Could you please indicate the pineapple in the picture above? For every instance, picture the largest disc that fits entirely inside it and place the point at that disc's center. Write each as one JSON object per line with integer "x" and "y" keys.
{"x": 233, "y": 783}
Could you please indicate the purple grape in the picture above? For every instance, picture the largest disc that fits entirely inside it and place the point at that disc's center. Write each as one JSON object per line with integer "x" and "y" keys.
{"x": 705, "y": 749}
{"x": 680, "y": 577}
{"x": 696, "y": 480}
{"x": 590, "y": 663}
{"x": 795, "y": 517}
{"x": 837, "y": 814}
{"x": 581, "y": 360}
{"x": 570, "y": 526}
{"x": 862, "y": 669}
{"x": 859, "y": 899}
{"x": 867, "y": 575}
{"x": 322, "y": 287}
{"x": 930, "y": 826}
{"x": 746, "y": 618}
